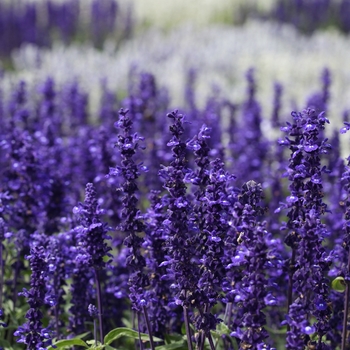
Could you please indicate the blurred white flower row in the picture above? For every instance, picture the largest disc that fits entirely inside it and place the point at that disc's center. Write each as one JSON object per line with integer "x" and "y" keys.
{"x": 220, "y": 54}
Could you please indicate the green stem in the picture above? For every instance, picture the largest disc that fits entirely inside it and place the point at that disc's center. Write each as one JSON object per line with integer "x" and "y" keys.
{"x": 188, "y": 329}
{"x": 148, "y": 328}
{"x": 99, "y": 305}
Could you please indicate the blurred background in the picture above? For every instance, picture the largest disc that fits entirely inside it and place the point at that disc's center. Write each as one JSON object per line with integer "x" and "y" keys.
{"x": 211, "y": 43}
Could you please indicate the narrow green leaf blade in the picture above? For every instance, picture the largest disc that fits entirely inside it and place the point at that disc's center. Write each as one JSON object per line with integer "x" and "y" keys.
{"x": 68, "y": 342}
{"x": 126, "y": 332}
{"x": 180, "y": 345}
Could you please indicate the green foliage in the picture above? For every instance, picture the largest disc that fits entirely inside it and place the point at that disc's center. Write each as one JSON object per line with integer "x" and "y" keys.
{"x": 339, "y": 284}
{"x": 61, "y": 344}
{"x": 126, "y": 332}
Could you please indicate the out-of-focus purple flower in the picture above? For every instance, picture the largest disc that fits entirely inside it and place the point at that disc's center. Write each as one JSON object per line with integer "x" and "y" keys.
{"x": 275, "y": 119}
{"x": 249, "y": 148}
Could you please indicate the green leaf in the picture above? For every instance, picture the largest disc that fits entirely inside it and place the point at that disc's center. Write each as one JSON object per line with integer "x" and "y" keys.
{"x": 282, "y": 331}
{"x": 180, "y": 345}
{"x": 126, "y": 332}
{"x": 339, "y": 284}
{"x": 5, "y": 344}
{"x": 68, "y": 342}
{"x": 108, "y": 347}
{"x": 81, "y": 336}
{"x": 92, "y": 342}
{"x": 222, "y": 329}
{"x": 171, "y": 338}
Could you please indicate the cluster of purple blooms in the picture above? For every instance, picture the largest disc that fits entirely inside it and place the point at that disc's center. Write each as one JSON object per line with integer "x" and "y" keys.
{"x": 45, "y": 22}
{"x": 171, "y": 220}
{"x": 307, "y": 16}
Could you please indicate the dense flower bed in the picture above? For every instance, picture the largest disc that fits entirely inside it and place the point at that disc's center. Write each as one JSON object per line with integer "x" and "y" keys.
{"x": 134, "y": 225}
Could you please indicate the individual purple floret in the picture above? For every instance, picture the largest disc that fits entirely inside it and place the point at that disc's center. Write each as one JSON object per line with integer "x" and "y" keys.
{"x": 32, "y": 333}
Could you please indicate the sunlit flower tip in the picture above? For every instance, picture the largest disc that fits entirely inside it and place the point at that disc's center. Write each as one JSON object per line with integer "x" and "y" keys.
{"x": 292, "y": 199}
{"x": 165, "y": 263}
{"x": 143, "y": 168}
{"x": 238, "y": 333}
{"x": 45, "y": 334}
{"x": 239, "y": 298}
{"x": 237, "y": 260}
{"x": 320, "y": 304}
{"x": 193, "y": 145}
{"x": 173, "y": 142}
{"x": 178, "y": 302}
{"x": 181, "y": 202}
{"x": 344, "y": 130}
{"x": 307, "y": 329}
{"x": 215, "y": 239}
{"x": 270, "y": 300}
{"x": 283, "y": 142}
{"x": 93, "y": 312}
{"x": 49, "y": 300}
{"x": 76, "y": 210}
{"x": 310, "y": 148}
{"x": 143, "y": 302}
{"x": 204, "y": 132}
{"x": 310, "y": 127}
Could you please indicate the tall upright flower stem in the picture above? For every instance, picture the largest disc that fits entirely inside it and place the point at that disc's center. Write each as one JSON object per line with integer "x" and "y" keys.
{"x": 290, "y": 281}
{"x": 99, "y": 304}
{"x": 149, "y": 328}
{"x": 188, "y": 328}
{"x": 138, "y": 327}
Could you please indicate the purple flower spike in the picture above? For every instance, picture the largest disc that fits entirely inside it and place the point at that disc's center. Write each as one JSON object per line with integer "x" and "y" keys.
{"x": 309, "y": 262}
{"x": 92, "y": 231}
{"x": 32, "y": 332}
{"x": 131, "y": 224}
